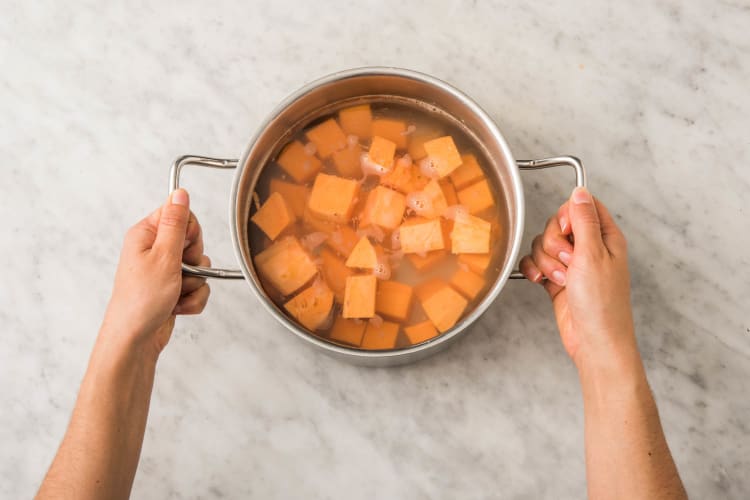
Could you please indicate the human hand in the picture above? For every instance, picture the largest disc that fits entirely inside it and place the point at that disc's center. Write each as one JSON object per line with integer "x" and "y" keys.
{"x": 583, "y": 256}
{"x": 149, "y": 289}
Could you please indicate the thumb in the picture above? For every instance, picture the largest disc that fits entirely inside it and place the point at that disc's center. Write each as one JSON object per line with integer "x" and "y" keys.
{"x": 170, "y": 234}
{"x": 584, "y": 219}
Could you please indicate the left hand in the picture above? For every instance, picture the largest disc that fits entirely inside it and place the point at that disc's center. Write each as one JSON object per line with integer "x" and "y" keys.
{"x": 149, "y": 289}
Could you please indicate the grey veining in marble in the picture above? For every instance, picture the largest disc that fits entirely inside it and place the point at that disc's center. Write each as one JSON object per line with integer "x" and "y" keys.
{"x": 97, "y": 98}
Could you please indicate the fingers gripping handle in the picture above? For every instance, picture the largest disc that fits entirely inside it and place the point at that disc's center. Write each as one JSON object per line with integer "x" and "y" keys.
{"x": 174, "y": 183}
{"x": 558, "y": 161}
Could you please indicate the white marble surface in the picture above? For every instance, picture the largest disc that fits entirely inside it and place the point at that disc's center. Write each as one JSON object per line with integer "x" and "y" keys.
{"x": 97, "y": 98}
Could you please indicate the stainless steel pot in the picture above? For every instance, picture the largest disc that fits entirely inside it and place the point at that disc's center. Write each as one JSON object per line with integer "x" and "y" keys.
{"x": 321, "y": 97}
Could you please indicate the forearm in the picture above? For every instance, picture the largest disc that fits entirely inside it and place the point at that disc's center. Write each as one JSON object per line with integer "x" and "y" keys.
{"x": 99, "y": 453}
{"x": 626, "y": 453}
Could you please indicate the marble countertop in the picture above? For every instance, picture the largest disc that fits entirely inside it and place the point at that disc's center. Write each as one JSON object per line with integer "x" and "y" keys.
{"x": 97, "y": 98}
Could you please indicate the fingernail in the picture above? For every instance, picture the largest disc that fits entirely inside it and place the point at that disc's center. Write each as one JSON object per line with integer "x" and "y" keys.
{"x": 537, "y": 277}
{"x": 558, "y": 277}
{"x": 564, "y": 257}
{"x": 581, "y": 195}
{"x": 563, "y": 223}
{"x": 187, "y": 244}
{"x": 180, "y": 197}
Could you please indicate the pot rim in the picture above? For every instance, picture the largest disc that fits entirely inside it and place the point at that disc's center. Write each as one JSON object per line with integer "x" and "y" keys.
{"x": 490, "y": 296}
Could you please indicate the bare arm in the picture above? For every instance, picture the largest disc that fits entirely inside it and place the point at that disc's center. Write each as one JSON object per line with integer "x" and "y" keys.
{"x": 99, "y": 454}
{"x": 627, "y": 456}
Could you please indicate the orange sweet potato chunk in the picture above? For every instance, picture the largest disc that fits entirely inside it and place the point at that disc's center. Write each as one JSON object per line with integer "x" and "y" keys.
{"x": 476, "y": 197}
{"x": 468, "y": 283}
{"x": 363, "y": 255}
{"x": 427, "y": 288}
{"x": 357, "y": 120}
{"x": 335, "y": 272}
{"x": 420, "y": 332}
{"x": 469, "y": 235}
{"x": 393, "y": 300}
{"x": 468, "y": 172}
{"x": 443, "y": 154}
{"x": 273, "y": 216}
{"x": 385, "y": 208}
{"x": 382, "y": 151}
{"x": 332, "y": 197}
{"x": 393, "y": 130}
{"x": 449, "y": 192}
{"x": 428, "y": 261}
{"x": 419, "y": 235}
{"x": 382, "y": 336}
{"x": 315, "y": 223}
{"x": 327, "y": 137}
{"x": 343, "y": 239}
{"x": 404, "y": 177}
{"x": 476, "y": 262}
{"x": 347, "y": 161}
{"x": 348, "y": 331}
{"x": 444, "y": 306}
{"x": 436, "y": 195}
{"x": 286, "y": 265}
{"x": 312, "y": 306}
{"x": 418, "y": 138}
{"x": 359, "y": 296}
{"x": 297, "y": 163}
{"x": 294, "y": 195}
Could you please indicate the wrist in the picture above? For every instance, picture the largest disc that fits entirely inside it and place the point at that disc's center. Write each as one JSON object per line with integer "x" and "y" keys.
{"x": 612, "y": 359}
{"x": 126, "y": 342}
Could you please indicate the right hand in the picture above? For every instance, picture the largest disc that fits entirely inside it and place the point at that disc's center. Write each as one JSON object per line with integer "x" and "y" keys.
{"x": 587, "y": 278}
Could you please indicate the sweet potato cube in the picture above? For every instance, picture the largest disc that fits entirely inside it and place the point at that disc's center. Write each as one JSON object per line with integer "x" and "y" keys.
{"x": 444, "y": 306}
{"x": 359, "y": 296}
{"x": 476, "y": 197}
{"x": 363, "y": 255}
{"x": 443, "y": 154}
{"x": 332, "y": 197}
{"x": 385, "y": 208}
{"x": 476, "y": 262}
{"x": 417, "y": 139}
{"x": 382, "y": 336}
{"x": 404, "y": 177}
{"x": 420, "y": 235}
{"x": 348, "y": 331}
{"x": 357, "y": 120}
{"x": 273, "y": 216}
{"x": 335, "y": 273}
{"x": 343, "y": 239}
{"x": 382, "y": 151}
{"x": 449, "y": 192}
{"x": 393, "y": 299}
{"x": 427, "y": 288}
{"x": 428, "y": 261}
{"x": 312, "y": 306}
{"x": 468, "y": 172}
{"x": 297, "y": 163}
{"x": 347, "y": 161}
{"x": 327, "y": 137}
{"x": 436, "y": 195}
{"x": 468, "y": 283}
{"x": 470, "y": 234}
{"x": 393, "y": 130}
{"x": 315, "y": 223}
{"x": 286, "y": 265}
{"x": 294, "y": 195}
{"x": 420, "y": 332}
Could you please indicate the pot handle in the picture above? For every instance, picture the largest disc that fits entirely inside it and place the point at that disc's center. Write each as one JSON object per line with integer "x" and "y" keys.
{"x": 174, "y": 183}
{"x": 558, "y": 161}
